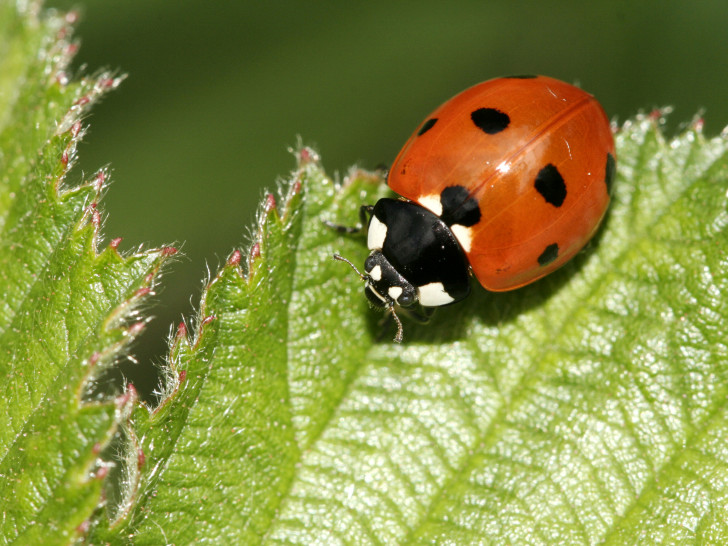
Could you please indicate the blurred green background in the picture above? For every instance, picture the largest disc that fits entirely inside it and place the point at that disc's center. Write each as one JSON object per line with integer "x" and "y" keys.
{"x": 218, "y": 90}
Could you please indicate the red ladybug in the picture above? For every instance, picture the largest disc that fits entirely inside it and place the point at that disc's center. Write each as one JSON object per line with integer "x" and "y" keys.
{"x": 509, "y": 179}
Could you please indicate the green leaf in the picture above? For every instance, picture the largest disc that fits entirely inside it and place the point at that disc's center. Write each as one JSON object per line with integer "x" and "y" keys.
{"x": 67, "y": 313}
{"x": 588, "y": 407}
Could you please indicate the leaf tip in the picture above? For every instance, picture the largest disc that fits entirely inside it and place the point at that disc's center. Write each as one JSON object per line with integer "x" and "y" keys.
{"x": 99, "y": 180}
{"x": 138, "y": 327}
{"x": 270, "y": 204}
{"x": 698, "y": 124}
{"x": 128, "y": 398}
{"x": 306, "y": 155}
{"x": 181, "y": 331}
{"x": 71, "y": 17}
{"x": 114, "y": 243}
{"x": 143, "y": 291}
{"x": 296, "y": 187}
{"x": 234, "y": 258}
{"x": 658, "y": 116}
{"x": 253, "y": 255}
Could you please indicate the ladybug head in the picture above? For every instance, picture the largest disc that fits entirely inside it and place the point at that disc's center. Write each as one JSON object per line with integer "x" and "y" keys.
{"x": 385, "y": 286}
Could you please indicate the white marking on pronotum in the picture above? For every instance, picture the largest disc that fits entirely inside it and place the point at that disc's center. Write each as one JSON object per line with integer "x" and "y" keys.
{"x": 434, "y": 295}
{"x": 376, "y": 273}
{"x": 432, "y": 203}
{"x": 376, "y": 234}
{"x": 395, "y": 292}
{"x": 464, "y": 235}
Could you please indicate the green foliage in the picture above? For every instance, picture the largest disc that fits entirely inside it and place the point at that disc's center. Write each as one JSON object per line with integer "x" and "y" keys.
{"x": 67, "y": 313}
{"x": 589, "y": 407}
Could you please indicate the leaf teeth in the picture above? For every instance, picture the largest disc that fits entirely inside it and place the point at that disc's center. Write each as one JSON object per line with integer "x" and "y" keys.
{"x": 207, "y": 320}
{"x": 228, "y": 299}
{"x": 181, "y": 331}
{"x": 92, "y": 90}
{"x": 269, "y": 204}
{"x": 253, "y": 256}
{"x": 128, "y": 459}
{"x": 126, "y": 309}
{"x": 136, "y": 329}
{"x": 95, "y": 218}
{"x": 69, "y": 313}
{"x": 99, "y": 181}
{"x": 296, "y": 187}
{"x": 144, "y": 291}
{"x": 170, "y": 385}
{"x": 234, "y": 258}
{"x": 658, "y": 116}
{"x": 76, "y": 130}
{"x": 129, "y": 398}
{"x": 306, "y": 155}
{"x": 71, "y": 17}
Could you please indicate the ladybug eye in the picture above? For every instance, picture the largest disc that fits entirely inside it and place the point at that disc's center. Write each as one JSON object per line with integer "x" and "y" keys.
{"x": 408, "y": 297}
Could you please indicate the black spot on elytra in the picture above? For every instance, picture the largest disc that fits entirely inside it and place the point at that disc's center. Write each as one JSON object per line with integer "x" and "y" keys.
{"x": 549, "y": 254}
{"x": 426, "y": 126}
{"x": 458, "y": 207}
{"x": 550, "y": 184}
{"x": 610, "y": 171}
{"x": 522, "y": 77}
{"x": 490, "y": 120}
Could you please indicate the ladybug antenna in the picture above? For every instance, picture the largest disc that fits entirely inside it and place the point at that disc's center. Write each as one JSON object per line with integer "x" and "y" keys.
{"x": 398, "y": 336}
{"x": 342, "y": 259}
{"x": 390, "y": 307}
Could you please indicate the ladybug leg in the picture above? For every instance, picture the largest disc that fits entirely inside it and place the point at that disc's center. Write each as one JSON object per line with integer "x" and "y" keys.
{"x": 390, "y": 316}
{"x": 365, "y": 213}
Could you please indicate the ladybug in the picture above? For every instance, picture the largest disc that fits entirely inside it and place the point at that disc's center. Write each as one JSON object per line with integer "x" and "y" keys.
{"x": 507, "y": 180}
